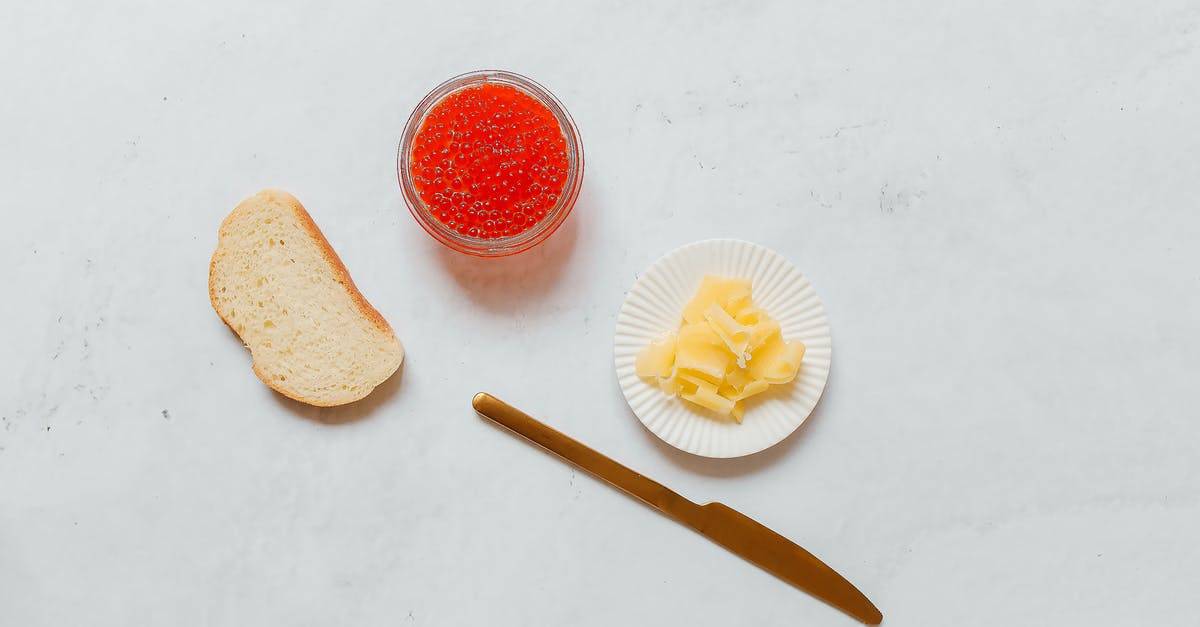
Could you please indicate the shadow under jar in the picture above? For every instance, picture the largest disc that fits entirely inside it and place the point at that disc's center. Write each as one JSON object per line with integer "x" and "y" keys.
{"x": 490, "y": 163}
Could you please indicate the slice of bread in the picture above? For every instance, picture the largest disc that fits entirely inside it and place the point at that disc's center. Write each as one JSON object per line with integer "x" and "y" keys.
{"x": 277, "y": 283}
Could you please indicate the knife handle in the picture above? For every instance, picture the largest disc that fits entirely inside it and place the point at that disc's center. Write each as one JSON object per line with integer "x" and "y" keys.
{"x": 634, "y": 483}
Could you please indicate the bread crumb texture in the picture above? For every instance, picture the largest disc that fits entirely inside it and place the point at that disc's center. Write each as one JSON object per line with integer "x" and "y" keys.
{"x": 278, "y": 284}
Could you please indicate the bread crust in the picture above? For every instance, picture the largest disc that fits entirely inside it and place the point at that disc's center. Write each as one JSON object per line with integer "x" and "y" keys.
{"x": 330, "y": 256}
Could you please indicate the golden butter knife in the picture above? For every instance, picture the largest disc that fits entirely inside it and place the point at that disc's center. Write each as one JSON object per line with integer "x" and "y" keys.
{"x": 727, "y": 527}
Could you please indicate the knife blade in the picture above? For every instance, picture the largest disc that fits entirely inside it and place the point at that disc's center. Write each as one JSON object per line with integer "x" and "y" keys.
{"x": 720, "y": 523}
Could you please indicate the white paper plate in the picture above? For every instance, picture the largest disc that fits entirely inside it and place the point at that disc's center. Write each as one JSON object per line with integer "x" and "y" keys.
{"x": 654, "y": 306}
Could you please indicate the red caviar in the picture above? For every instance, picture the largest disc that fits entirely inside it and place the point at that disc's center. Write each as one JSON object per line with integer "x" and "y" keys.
{"x": 489, "y": 161}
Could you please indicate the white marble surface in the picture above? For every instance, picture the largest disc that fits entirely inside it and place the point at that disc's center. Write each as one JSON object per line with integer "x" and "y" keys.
{"x": 997, "y": 202}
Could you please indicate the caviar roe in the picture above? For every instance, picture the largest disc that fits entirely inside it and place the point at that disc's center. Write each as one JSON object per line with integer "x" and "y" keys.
{"x": 489, "y": 161}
